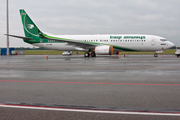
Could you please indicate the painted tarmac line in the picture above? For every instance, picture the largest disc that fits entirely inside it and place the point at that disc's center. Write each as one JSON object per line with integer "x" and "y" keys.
{"x": 150, "y": 84}
{"x": 90, "y": 111}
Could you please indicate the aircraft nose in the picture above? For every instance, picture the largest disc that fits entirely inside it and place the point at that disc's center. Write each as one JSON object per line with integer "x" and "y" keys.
{"x": 170, "y": 44}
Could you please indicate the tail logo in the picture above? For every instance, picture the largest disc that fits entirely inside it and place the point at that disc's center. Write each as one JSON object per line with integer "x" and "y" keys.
{"x": 30, "y": 26}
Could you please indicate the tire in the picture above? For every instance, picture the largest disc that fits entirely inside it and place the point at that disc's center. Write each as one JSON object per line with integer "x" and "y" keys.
{"x": 86, "y": 54}
{"x": 155, "y": 55}
{"x": 93, "y": 54}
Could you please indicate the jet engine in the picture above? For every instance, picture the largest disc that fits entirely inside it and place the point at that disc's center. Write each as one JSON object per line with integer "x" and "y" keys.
{"x": 104, "y": 50}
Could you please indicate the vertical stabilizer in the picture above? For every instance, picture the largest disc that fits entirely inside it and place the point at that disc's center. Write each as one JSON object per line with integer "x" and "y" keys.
{"x": 30, "y": 29}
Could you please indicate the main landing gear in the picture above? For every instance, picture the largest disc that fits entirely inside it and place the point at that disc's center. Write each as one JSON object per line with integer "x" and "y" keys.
{"x": 93, "y": 54}
{"x": 155, "y": 55}
{"x": 87, "y": 54}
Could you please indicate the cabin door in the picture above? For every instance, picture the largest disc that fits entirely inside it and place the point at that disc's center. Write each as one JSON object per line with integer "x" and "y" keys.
{"x": 153, "y": 41}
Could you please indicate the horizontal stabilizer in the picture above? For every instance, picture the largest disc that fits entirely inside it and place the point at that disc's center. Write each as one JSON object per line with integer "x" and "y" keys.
{"x": 25, "y": 38}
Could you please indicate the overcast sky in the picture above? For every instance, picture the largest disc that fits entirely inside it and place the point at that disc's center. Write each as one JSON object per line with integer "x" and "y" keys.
{"x": 155, "y": 17}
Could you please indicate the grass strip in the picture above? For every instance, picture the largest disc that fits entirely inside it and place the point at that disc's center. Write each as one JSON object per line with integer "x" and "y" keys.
{"x": 54, "y": 52}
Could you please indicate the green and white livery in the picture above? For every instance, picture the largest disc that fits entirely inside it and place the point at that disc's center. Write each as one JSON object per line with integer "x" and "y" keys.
{"x": 95, "y": 44}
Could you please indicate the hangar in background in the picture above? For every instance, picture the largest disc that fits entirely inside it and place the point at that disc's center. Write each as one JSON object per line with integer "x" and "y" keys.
{"x": 3, "y": 51}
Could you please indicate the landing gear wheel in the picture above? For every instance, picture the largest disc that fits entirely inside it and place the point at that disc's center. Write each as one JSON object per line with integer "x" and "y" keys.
{"x": 93, "y": 54}
{"x": 86, "y": 54}
{"x": 155, "y": 55}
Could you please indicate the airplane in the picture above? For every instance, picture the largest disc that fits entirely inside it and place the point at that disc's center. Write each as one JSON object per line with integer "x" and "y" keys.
{"x": 92, "y": 45}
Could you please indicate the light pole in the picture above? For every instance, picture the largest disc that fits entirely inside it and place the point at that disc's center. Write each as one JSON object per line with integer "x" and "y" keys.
{"x": 7, "y": 30}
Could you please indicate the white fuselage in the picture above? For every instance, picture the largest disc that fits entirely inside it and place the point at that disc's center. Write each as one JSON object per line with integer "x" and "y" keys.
{"x": 135, "y": 42}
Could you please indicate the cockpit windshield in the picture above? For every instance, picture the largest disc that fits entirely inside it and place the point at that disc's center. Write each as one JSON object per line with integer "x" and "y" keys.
{"x": 163, "y": 40}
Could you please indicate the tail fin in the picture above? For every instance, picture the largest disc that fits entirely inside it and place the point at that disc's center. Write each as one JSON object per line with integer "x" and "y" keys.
{"x": 30, "y": 29}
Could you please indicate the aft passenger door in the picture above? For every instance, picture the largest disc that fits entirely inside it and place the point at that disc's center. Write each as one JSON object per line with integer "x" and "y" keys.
{"x": 41, "y": 42}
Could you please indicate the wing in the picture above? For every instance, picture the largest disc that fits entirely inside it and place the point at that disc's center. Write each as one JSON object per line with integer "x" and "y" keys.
{"x": 76, "y": 43}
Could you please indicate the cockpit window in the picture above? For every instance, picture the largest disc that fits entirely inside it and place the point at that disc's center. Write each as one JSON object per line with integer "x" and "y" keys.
{"x": 163, "y": 40}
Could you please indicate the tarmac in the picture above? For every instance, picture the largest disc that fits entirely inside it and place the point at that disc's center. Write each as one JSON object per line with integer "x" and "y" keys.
{"x": 135, "y": 83}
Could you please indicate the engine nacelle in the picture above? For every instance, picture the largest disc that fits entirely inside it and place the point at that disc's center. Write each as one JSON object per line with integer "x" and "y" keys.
{"x": 104, "y": 50}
